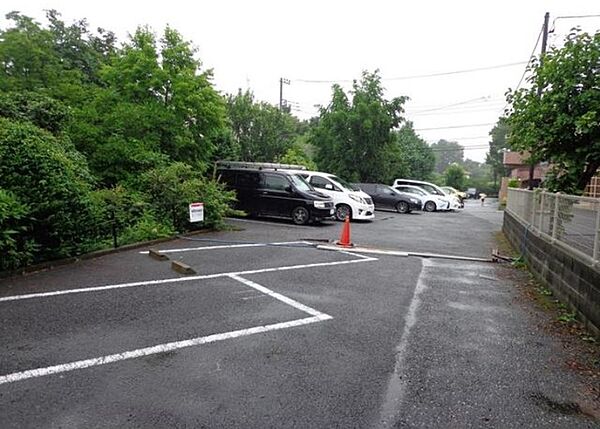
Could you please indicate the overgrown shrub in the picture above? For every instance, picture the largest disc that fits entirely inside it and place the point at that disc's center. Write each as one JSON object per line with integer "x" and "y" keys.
{"x": 146, "y": 228}
{"x": 16, "y": 249}
{"x": 50, "y": 177}
{"x": 172, "y": 188}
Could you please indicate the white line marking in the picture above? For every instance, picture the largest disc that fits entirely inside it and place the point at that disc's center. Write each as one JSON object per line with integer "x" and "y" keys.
{"x": 225, "y": 246}
{"x": 160, "y": 348}
{"x": 280, "y": 297}
{"x": 397, "y": 384}
{"x": 179, "y": 279}
{"x": 357, "y": 250}
{"x": 245, "y": 298}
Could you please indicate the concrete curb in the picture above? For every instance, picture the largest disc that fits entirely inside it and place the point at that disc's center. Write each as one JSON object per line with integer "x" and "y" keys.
{"x": 49, "y": 265}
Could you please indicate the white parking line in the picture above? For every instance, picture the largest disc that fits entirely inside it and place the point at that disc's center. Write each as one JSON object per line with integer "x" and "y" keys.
{"x": 225, "y": 246}
{"x": 317, "y": 316}
{"x": 160, "y": 348}
{"x": 396, "y": 388}
{"x": 179, "y": 280}
{"x": 280, "y": 297}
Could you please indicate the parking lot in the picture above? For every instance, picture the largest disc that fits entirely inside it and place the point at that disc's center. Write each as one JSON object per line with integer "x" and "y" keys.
{"x": 272, "y": 332}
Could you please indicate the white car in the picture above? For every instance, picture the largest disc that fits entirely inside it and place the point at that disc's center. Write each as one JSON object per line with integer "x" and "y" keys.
{"x": 348, "y": 200}
{"x": 454, "y": 202}
{"x": 431, "y": 202}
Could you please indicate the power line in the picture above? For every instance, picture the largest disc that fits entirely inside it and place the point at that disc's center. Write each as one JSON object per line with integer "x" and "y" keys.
{"x": 455, "y": 112}
{"x": 461, "y": 149}
{"x": 460, "y": 103}
{"x": 526, "y": 68}
{"x": 455, "y": 126}
{"x": 420, "y": 76}
{"x": 571, "y": 17}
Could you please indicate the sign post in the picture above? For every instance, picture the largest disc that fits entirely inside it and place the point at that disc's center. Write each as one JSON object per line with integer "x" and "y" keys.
{"x": 197, "y": 212}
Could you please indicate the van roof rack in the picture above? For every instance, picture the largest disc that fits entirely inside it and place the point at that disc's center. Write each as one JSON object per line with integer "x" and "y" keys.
{"x": 259, "y": 165}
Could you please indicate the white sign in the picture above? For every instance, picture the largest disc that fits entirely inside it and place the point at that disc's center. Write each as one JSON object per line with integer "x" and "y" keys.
{"x": 197, "y": 212}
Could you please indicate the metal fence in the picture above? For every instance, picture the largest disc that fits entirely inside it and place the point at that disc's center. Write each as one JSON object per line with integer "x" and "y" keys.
{"x": 567, "y": 220}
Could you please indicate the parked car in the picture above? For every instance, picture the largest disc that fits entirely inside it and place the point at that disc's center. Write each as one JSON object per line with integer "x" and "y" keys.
{"x": 386, "y": 197}
{"x": 348, "y": 200}
{"x": 276, "y": 193}
{"x": 461, "y": 196}
{"x": 431, "y": 188}
{"x": 453, "y": 191}
{"x": 430, "y": 201}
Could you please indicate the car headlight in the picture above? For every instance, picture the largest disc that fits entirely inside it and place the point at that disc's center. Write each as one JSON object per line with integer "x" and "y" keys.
{"x": 320, "y": 204}
{"x": 358, "y": 199}
{"x": 414, "y": 200}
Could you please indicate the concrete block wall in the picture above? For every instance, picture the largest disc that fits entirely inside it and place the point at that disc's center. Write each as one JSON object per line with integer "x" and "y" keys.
{"x": 574, "y": 282}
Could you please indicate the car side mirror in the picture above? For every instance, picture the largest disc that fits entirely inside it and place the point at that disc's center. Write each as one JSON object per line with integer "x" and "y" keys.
{"x": 288, "y": 189}
{"x": 329, "y": 186}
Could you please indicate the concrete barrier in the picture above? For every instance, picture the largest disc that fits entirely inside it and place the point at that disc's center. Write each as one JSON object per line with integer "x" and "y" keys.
{"x": 182, "y": 268}
{"x": 573, "y": 281}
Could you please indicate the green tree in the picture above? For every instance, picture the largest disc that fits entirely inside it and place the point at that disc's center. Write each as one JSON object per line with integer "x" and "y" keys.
{"x": 447, "y": 153}
{"x": 262, "y": 132}
{"x": 455, "y": 176}
{"x": 498, "y": 145}
{"x": 414, "y": 159}
{"x": 354, "y": 138}
{"x": 562, "y": 125}
{"x": 156, "y": 106}
{"x": 296, "y": 155}
{"x": 41, "y": 110}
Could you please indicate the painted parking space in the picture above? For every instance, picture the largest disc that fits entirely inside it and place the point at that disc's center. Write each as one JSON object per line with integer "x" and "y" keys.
{"x": 186, "y": 304}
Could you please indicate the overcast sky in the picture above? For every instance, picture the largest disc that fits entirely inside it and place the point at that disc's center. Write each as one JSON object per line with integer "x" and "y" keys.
{"x": 254, "y": 43}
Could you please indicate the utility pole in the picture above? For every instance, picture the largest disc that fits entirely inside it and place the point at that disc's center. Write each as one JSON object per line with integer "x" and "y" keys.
{"x": 539, "y": 90}
{"x": 282, "y": 80}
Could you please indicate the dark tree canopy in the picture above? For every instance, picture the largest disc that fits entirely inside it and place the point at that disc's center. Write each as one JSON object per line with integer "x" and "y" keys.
{"x": 354, "y": 136}
{"x": 447, "y": 153}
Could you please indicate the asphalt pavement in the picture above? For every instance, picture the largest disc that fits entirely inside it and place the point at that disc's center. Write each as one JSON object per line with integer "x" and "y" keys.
{"x": 272, "y": 332}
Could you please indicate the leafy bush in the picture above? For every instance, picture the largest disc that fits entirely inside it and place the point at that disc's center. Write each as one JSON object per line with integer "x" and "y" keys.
{"x": 46, "y": 174}
{"x": 15, "y": 248}
{"x": 514, "y": 183}
{"x": 39, "y": 109}
{"x": 172, "y": 188}
{"x": 146, "y": 228}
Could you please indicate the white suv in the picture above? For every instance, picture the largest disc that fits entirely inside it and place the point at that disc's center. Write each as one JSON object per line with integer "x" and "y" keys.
{"x": 348, "y": 200}
{"x": 453, "y": 202}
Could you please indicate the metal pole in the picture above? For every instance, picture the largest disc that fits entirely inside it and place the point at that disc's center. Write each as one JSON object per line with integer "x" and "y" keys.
{"x": 555, "y": 220}
{"x": 596, "y": 253}
{"x": 532, "y": 201}
{"x": 539, "y": 89}
{"x": 541, "y": 222}
{"x": 280, "y": 93}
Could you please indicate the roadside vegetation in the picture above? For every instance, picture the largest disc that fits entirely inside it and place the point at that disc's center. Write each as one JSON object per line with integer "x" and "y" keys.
{"x": 106, "y": 142}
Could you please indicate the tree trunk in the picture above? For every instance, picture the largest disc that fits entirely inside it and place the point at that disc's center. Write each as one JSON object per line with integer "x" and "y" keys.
{"x": 590, "y": 170}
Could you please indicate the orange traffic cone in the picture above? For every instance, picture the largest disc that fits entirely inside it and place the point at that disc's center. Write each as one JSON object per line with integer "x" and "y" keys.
{"x": 345, "y": 237}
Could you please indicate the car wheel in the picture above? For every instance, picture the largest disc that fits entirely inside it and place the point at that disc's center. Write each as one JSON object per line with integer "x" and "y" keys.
{"x": 402, "y": 207}
{"x": 429, "y": 206}
{"x": 342, "y": 211}
{"x": 300, "y": 216}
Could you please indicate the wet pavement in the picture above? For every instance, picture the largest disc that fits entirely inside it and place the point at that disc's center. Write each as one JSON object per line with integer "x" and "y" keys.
{"x": 284, "y": 335}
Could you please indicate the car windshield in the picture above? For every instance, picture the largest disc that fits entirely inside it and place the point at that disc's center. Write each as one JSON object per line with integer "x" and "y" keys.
{"x": 344, "y": 184}
{"x": 431, "y": 189}
{"x": 415, "y": 191}
{"x": 300, "y": 183}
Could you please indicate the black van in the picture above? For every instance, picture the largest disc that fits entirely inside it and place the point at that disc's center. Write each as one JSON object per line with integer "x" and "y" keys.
{"x": 276, "y": 193}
